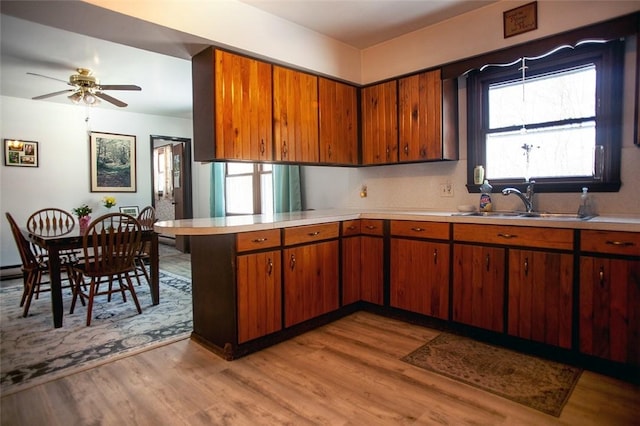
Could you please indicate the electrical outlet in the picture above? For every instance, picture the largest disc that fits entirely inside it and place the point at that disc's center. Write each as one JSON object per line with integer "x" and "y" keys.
{"x": 446, "y": 189}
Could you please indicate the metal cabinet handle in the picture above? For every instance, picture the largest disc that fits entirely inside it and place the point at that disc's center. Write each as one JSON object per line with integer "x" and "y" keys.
{"x": 507, "y": 236}
{"x": 371, "y": 227}
{"x": 259, "y": 240}
{"x": 292, "y": 262}
{"x": 269, "y": 266}
{"x": 601, "y": 276}
{"x": 526, "y": 266}
{"x": 330, "y": 152}
{"x": 284, "y": 149}
{"x": 435, "y": 256}
{"x": 351, "y": 228}
{"x": 262, "y": 149}
{"x": 418, "y": 229}
{"x": 406, "y": 149}
{"x": 620, "y": 243}
{"x": 488, "y": 262}
{"x": 313, "y": 234}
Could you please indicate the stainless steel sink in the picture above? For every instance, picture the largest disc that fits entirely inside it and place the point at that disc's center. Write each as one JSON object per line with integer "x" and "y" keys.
{"x": 531, "y": 215}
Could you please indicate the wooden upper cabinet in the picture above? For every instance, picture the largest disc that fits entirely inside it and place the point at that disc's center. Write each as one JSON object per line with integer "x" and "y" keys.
{"x": 380, "y": 123}
{"x": 338, "y": 122}
{"x": 295, "y": 116}
{"x": 427, "y": 116}
{"x": 242, "y": 108}
{"x": 232, "y": 104}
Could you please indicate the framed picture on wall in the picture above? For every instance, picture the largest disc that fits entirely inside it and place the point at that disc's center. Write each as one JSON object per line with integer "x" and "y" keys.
{"x": 20, "y": 153}
{"x": 112, "y": 162}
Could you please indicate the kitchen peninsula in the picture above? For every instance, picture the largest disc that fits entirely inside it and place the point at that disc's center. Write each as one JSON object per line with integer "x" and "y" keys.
{"x": 558, "y": 285}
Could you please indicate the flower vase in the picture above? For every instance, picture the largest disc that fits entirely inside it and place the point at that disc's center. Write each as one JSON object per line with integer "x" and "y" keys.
{"x": 84, "y": 223}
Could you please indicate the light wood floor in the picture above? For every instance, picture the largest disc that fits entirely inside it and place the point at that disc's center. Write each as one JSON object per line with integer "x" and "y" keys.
{"x": 347, "y": 372}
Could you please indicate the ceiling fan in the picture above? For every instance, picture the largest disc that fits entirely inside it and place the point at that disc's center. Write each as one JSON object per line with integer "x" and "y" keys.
{"x": 87, "y": 88}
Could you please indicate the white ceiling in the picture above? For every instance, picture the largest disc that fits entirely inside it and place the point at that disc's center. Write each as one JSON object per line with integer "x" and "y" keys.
{"x": 30, "y": 43}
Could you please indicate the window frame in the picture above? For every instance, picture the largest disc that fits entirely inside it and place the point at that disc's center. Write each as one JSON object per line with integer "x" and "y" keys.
{"x": 609, "y": 60}
{"x": 256, "y": 175}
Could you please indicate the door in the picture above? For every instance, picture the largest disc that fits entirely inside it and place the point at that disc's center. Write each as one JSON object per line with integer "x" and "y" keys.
{"x": 171, "y": 181}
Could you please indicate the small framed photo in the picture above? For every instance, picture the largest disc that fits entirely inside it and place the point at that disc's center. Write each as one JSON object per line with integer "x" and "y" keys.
{"x": 130, "y": 210}
{"x": 521, "y": 19}
{"x": 113, "y": 162}
{"x": 20, "y": 153}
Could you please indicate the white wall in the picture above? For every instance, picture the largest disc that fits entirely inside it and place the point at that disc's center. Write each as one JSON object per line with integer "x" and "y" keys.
{"x": 62, "y": 178}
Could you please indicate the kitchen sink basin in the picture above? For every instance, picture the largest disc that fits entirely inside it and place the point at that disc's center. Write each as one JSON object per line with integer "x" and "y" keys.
{"x": 532, "y": 215}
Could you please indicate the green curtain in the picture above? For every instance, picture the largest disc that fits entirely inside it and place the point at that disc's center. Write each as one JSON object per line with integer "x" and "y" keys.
{"x": 287, "y": 195}
{"x": 216, "y": 201}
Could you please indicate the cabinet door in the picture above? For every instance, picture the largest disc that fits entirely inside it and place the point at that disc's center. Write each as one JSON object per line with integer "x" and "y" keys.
{"x": 609, "y": 308}
{"x": 380, "y": 123}
{"x": 242, "y": 108}
{"x": 478, "y": 286}
{"x": 310, "y": 281}
{"x": 295, "y": 116}
{"x": 420, "y": 277}
{"x": 259, "y": 295}
{"x": 338, "y": 122}
{"x": 540, "y": 296}
{"x": 351, "y": 269}
{"x": 372, "y": 276}
{"x": 420, "y": 117}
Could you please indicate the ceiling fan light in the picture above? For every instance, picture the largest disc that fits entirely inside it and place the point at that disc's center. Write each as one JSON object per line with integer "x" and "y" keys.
{"x": 89, "y": 98}
{"x": 75, "y": 97}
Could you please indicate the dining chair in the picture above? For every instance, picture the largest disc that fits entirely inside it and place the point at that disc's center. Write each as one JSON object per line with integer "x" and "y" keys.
{"x": 147, "y": 217}
{"x": 50, "y": 222}
{"x": 109, "y": 247}
{"x": 32, "y": 268}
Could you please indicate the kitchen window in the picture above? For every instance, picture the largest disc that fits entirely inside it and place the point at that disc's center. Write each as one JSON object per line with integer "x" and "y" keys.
{"x": 555, "y": 119}
{"x": 248, "y": 188}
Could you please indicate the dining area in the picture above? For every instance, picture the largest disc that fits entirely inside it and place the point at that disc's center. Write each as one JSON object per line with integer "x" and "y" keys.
{"x": 109, "y": 255}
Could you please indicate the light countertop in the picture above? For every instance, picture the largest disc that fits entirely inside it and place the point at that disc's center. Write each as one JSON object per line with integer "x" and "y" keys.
{"x": 235, "y": 224}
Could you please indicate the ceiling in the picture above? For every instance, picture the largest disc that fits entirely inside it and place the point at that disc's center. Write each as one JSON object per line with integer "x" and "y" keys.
{"x": 43, "y": 37}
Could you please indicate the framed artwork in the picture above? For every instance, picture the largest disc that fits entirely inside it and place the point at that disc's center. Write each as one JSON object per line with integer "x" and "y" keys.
{"x": 20, "y": 153}
{"x": 130, "y": 210}
{"x": 521, "y": 19}
{"x": 113, "y": 162}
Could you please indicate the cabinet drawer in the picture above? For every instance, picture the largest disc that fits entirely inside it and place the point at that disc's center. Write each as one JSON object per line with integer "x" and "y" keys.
{"x": 614, "y": 242}
{"x": 515, "y": 235}
{"x": 409, "y": 228}
{"x": 351, "y": 227}
{"x": 310, "y": 233}
{"x": 256, "y": 240}
{"x": 371, "y": 226}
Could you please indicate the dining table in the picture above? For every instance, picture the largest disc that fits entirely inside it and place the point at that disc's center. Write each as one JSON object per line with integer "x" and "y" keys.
{"x": 55, "y": 244}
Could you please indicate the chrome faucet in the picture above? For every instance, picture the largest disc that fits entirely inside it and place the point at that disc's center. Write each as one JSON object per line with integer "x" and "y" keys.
{"x": 526, "y": 198}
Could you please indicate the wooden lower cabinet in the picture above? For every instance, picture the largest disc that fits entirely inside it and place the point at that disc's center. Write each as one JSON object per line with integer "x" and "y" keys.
{"x": 259, "y": 295}
{"x": 420, "y": 277}
{"x": 541, "y": 296}
{"x": 362, "y": 262}
{"x": 310, "y": 281}
{"x": 478, "y": 286}
{"x": 610, "y": 308}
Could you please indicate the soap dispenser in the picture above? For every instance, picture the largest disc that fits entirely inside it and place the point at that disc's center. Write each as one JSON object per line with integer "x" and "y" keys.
{"x": 585, "y": 209}
{"x": 485, "y": 197}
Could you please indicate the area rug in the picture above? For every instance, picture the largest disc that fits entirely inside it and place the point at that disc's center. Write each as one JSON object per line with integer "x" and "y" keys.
{"x": 33, "y": 352}
{"x": 534, "y": 382}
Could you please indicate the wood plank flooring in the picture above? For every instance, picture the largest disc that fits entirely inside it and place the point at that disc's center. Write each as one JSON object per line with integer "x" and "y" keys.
{"x": 347, "y": 372}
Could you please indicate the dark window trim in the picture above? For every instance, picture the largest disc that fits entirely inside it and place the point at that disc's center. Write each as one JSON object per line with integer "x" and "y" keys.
{"x": 610, "y": 56}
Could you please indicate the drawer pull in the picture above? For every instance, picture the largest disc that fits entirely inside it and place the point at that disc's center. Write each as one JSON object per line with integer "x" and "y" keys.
{"x": 620, "y": 243}
{"x": 418, "y": 229}
{"x": 601, "y": 274}
{"x": 526, "y": 266}
{"x": 371, "y": 227}
{"x": 351, "y": 228}
{"x": 507, "y": 236}
{"x": 314, "y": 234}
{"x": 259, "y": 240}
{"x": 292, "y": 262}
{"x": 269, "y": 266}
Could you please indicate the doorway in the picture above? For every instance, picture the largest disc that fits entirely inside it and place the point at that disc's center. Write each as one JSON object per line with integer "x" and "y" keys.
{"x": 171, "y": 182}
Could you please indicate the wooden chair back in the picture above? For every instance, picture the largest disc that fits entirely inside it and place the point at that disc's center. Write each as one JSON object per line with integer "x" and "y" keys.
{"x": 51, "y": 222}
{"x": 147, "y": 217}
{"x": 27, "y": 256}
{"x": 111, "y": 244}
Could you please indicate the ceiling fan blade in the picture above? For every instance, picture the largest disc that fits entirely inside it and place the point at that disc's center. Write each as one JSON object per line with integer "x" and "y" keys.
{"x": 51, "y": 78}
{"x": 110, "y": 99}
{"x": 49, "y": 95}
{"x": 119, "y": 87}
